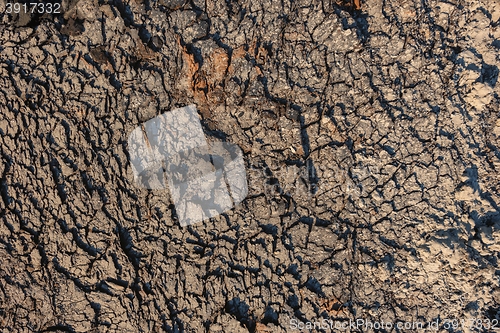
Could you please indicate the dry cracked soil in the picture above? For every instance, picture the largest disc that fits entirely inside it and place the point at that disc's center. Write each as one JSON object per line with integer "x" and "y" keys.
{"x": 371, "y": 141}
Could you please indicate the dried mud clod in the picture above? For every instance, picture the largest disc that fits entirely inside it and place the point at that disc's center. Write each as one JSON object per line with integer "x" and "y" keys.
{"x": 207, "y": 82}
{"x": 351, "y": 4}
{"x": 333, "y": 307}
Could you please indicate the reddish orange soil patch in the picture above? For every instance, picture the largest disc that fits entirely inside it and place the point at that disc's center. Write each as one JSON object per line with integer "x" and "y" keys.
{"x": 206, "y": 82}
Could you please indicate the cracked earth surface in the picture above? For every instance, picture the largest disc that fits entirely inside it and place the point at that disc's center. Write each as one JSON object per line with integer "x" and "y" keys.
{"x": 371, "y": 141}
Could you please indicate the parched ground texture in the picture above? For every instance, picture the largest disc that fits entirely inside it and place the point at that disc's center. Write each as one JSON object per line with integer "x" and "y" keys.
{"x": 371, "y": 141}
